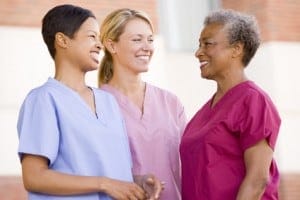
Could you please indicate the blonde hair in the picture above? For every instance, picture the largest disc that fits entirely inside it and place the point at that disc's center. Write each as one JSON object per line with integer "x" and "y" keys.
{"x": 112, "y": 27}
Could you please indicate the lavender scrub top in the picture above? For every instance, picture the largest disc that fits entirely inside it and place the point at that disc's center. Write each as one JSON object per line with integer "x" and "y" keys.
{"x": 154, "y": 136}
{"x": 214, "y": 142}
{"x": 56, "y": 123}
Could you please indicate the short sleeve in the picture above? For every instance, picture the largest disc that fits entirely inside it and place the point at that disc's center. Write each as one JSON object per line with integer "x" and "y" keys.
{"x": 37, "y": 126}
{"x": 260, "y": 121}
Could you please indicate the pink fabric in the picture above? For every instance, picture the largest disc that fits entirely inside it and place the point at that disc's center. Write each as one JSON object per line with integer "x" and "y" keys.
{"x": 215, "y": 139}
{"x": 154, "y": 136}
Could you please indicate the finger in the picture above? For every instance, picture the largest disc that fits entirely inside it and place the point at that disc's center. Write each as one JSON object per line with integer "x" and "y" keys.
{"x": 163, "y": 185}
{"x": 150, "y": 181}
{"x": 158, "y": 188}
{"x": 133, "y": 198}
{"x": 139, "y": 193}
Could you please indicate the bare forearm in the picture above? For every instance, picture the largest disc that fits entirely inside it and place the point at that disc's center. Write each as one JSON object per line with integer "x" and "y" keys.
{"x": 257, "y": 161}
{"x": 37, "y": 177}
{"x": 52, "y": 182}
{"x": 252, "y": 190}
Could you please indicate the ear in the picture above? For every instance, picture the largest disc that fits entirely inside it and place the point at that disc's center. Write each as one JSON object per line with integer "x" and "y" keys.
{"x": 61, "y": 40}
{"x": 110, "y": 46}
{"x": 238, "y": 50}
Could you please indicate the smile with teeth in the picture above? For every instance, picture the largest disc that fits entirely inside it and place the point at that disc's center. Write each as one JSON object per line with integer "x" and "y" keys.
{"x": 203, "y": 63}
{"x": 95, "y": 56}
{"x": 145, "y": 58}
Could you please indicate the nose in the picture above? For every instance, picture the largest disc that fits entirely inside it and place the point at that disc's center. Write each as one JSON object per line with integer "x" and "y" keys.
{"x": 99, "y": 45}
{"x": 199, "y": 52}
{"x": 148, "y": 46}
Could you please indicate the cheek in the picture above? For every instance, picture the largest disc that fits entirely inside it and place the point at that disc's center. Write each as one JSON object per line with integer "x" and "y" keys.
{"x": 215, "y": 53}
{"x": 151, "y": 47}
{"x": 152, "y": 51}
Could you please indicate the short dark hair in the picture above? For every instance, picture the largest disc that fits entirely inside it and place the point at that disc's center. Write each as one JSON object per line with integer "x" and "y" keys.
{"x": 66, "y": 19}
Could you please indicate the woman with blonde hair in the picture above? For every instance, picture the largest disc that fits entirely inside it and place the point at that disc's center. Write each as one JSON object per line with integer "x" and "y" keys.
{"x": 72, "y": 139}
{"x": 154, "y": 118}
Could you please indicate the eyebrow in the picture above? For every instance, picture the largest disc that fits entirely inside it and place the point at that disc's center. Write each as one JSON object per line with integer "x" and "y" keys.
{"x": 93, "y": 31}
{"x": 206, "y": 38}
{"x": 141, "y": 35}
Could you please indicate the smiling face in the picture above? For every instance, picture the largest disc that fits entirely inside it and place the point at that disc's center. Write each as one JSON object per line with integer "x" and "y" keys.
{"x": 84, "y": 48}
{"x": 134, "y": 48}
{"x": 214, "y": 52}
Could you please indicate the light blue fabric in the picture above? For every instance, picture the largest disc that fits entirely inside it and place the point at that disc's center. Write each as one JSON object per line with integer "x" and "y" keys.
{"x": 55, "y": 122}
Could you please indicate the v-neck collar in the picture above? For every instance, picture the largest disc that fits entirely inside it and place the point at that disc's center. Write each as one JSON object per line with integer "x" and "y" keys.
{"x": 225, "y": 96}
{"x": 78, "y": 97}
{"x": 127, "y": 104}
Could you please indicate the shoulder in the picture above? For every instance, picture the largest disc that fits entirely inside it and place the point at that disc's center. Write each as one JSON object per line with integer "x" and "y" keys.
{"x": 258, "y": 102}
{"x": 163, "y": 94}
{"x": 254, "y": 93}
{"x": 41, "y": 93}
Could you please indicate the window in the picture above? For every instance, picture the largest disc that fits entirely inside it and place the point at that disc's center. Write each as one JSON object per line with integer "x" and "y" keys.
{"x": 180, "y": 22}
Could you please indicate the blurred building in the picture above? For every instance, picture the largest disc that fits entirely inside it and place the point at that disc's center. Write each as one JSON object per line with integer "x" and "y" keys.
{"x": 25, "y": 63}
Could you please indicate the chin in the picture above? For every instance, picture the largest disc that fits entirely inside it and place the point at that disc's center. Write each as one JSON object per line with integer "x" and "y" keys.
{"x": 205, "y": 76}
{"x": 92, "y": 68}
{"x": 143, "y": 69}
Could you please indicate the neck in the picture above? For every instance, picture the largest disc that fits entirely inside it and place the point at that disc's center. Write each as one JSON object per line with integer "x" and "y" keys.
{"x": 71, "y": 77}
{"x": 230, "y": 79}
{"x": 127, "y": 84}
{"x": 131, "y": 86}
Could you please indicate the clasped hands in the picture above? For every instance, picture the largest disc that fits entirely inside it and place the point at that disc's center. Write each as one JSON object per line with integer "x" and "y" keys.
{"x": 151, "y": 185}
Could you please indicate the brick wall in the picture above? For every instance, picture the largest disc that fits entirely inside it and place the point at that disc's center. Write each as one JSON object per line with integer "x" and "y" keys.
{"x": 278, "y": 19}
{"x": 30, "y": 12}
{"x": 289, "y": 187}
{"x": 11, "y": 188}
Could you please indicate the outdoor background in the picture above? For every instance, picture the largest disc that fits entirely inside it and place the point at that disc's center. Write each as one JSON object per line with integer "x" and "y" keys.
{"x": 25, "y": 64}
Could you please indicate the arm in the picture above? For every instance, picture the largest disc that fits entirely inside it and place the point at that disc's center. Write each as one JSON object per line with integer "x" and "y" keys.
{"x": 152, "y": 186}
{"x": 257, "y": 161}
{"x": 37, "y": 177}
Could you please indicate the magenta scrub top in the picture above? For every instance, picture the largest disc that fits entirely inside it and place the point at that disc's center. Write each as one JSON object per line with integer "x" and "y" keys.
{"x": 215, "y": 140}
{"x": 154, "y": 136}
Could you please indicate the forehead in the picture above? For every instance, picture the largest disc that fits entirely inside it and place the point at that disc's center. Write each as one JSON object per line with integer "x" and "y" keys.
{"x": 90, "y": 24}
{"x": 213, "y": 31}
{"x": 138, "y": 26}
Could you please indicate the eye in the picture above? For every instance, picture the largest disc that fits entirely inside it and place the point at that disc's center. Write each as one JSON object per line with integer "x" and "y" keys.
{"x": 136, "y": 39}
{"x": 207, "y": 44}
{"x": 150, "y": 40}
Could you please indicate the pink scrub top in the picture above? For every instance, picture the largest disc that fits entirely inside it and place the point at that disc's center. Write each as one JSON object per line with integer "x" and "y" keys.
{"x": 214, "y": 142}
{"x": 154, "y": 136}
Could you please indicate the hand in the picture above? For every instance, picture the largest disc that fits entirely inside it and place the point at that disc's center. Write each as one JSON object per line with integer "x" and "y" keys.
{"x": 121, "y": 190}
{"x": 152, "y": 186}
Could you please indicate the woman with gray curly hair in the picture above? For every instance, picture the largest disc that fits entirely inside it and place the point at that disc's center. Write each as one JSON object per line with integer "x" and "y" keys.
{"x": 227, "y": 147}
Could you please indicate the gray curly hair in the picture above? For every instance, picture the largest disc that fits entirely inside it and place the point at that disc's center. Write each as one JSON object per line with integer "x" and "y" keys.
{"x": 240, "y": 28}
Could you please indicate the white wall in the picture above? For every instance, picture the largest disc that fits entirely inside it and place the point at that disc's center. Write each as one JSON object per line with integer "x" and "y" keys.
{"x": 276, "y": 68}
{"x": 25, "y": 63}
